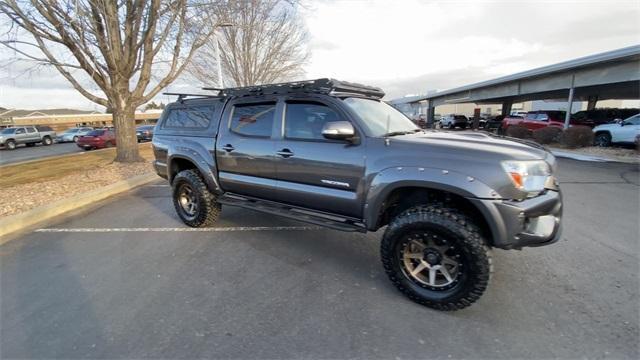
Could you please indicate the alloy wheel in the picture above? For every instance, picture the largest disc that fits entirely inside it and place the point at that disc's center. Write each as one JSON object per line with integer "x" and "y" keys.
{"x": 432, "y": 261}
{"x": 187, "y": 200}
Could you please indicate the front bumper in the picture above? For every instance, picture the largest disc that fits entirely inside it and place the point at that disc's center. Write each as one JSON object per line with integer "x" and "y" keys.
{"x": 531, "y": 222}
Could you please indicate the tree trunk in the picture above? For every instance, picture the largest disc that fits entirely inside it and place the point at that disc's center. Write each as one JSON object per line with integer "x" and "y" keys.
{"x": 126, "y": 140}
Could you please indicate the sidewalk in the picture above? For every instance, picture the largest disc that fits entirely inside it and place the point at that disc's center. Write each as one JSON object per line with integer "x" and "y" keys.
{"x": 596, "y": 154}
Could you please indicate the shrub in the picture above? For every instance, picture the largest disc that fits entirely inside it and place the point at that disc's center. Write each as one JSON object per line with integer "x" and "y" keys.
{"x": 577, "y": 136}
{"x": 547, "y": 135}
{"x": 517, "y": 131}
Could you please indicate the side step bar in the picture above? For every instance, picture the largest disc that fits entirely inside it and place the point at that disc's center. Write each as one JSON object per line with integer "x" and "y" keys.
{"x": 293, "y": 212}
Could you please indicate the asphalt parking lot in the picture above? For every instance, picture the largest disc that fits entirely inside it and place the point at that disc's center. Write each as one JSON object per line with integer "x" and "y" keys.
{"x": 23, "y": 153}
{"x": 127, "y": 280}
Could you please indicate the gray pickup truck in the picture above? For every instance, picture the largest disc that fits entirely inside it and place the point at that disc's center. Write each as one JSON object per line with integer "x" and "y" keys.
{"x": 333, "y": 154}
{"x": 11, "y": 137}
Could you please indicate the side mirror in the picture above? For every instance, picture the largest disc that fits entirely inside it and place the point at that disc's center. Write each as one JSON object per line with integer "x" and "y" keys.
{"x": 338, "y": 130}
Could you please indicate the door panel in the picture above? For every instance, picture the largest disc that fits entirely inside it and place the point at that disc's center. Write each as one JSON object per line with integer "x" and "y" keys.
{"x": 314, "y": 172}
{"x": 245, "y": 151}
{"x": 529, "y": 121}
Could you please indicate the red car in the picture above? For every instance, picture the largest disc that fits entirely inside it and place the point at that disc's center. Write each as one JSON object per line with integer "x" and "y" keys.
{"x": 534, "y": 120}
{"x": 97, "y": 139}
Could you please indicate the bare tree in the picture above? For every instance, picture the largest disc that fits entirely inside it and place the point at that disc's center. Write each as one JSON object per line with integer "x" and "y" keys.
{"x": 265, "y": 43}
{"x": 130, "y": 49}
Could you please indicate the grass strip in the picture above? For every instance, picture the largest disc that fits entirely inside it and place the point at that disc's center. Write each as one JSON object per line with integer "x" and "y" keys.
{"x": 60, "y": 166}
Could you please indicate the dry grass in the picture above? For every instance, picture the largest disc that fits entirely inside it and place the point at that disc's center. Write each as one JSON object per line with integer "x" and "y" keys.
{"x": 58, "y": 167}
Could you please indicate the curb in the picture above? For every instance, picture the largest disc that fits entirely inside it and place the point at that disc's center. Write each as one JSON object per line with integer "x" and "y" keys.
{"x": 18, "y": 222}
{"x": 592, "y": 158}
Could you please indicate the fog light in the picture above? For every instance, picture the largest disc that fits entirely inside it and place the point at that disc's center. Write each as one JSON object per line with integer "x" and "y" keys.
{"x": 541, "y": 226}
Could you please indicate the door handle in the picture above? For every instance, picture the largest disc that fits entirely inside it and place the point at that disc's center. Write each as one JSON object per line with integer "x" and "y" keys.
{"x": 228, "y": 148}
{"x": 285, "y": 153}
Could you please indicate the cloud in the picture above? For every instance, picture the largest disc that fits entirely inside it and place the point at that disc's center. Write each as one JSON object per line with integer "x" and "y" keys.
{"x": 409, "y": 46}
{"x": 419, "y": 46}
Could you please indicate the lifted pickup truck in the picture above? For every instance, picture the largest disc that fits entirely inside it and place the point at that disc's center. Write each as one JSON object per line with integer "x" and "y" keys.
{"x": 332, "y": 153}
{"x": 28, "y": 135}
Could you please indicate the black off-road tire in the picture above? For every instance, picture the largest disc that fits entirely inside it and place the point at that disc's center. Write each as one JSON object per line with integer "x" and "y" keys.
{"x": 208, "y": 209}
{"x": 466, "y": 238}
{"x": 46, "y": 141}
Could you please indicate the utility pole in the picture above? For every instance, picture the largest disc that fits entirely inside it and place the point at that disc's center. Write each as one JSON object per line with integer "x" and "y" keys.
{"x": 220, "y": 79}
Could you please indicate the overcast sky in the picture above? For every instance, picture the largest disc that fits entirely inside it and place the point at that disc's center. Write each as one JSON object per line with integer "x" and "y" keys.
{"x": 410, "y": 46}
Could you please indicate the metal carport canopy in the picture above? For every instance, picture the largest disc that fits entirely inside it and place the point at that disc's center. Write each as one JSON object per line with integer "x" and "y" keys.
{"x": 609, "y": 75}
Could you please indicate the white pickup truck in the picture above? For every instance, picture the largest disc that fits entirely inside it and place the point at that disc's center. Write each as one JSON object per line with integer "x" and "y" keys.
{"x": 28, "y": 135}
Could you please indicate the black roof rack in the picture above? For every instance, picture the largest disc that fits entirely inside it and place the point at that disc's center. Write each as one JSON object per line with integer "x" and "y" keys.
{"x": 321, "y": 86}
{"x": 182, "y": 96}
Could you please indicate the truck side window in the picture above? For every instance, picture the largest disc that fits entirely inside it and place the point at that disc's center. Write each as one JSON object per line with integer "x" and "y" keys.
{"x": 253, "y": 119}
{"x": 31, "y": 130}
{"x": 304, "y": 120}
{"x": 192, "y": 117}
{"x": 20, "y": 131}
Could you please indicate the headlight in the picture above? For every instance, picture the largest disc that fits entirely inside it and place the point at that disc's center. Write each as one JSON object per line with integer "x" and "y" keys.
{"x": 529, "y": 176}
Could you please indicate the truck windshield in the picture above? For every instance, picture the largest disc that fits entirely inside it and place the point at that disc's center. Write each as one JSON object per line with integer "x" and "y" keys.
{"x": 380, "y": 118}
{"x": 8, "y": 131}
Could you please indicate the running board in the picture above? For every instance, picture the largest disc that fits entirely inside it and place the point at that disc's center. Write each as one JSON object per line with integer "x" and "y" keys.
{"x": 293, "y": 212}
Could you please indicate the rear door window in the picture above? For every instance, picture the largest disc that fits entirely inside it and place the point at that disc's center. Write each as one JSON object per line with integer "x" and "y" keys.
{"x": 196, "y": 117}
{"x": 253, "y": 119}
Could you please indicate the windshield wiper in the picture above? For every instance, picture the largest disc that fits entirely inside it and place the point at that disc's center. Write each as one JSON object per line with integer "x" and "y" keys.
{"x": 394, "y": 133}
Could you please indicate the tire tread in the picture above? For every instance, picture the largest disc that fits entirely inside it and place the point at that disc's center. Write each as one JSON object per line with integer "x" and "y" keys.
{"x": 209, "y": 207}
{"x": 457, "y": 222}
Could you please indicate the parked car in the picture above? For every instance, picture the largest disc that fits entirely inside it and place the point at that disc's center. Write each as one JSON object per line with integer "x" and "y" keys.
{"x": 145, "y": 132}
{"x": 597, "y": 117}
{"x": 333, "y": 154}
{"x": 622, "y": 132}
{"x": 519, "y": 113}
{"x": 534, "y": 120}
{"x": 452, "y": 121}
{"x": 10, "y": 138}
{"x": 493, "y": 122}
{"x": 97, "y": 139}
{"x": 73, "y": 134}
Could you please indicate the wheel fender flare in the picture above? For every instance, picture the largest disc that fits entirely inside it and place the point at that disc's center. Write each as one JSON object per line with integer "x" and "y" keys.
{"x": 191, "y": 153}
{"x": 394, "y": 178}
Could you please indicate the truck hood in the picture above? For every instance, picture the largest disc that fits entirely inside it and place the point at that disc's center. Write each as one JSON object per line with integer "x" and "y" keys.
{"x": 478, "y": 143}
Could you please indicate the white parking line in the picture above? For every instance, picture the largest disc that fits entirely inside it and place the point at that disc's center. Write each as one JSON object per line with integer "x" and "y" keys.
{"x": 221, "y": 229}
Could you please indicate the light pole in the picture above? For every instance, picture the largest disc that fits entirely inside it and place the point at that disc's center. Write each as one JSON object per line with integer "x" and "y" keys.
{"x": 220, "y": 80}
